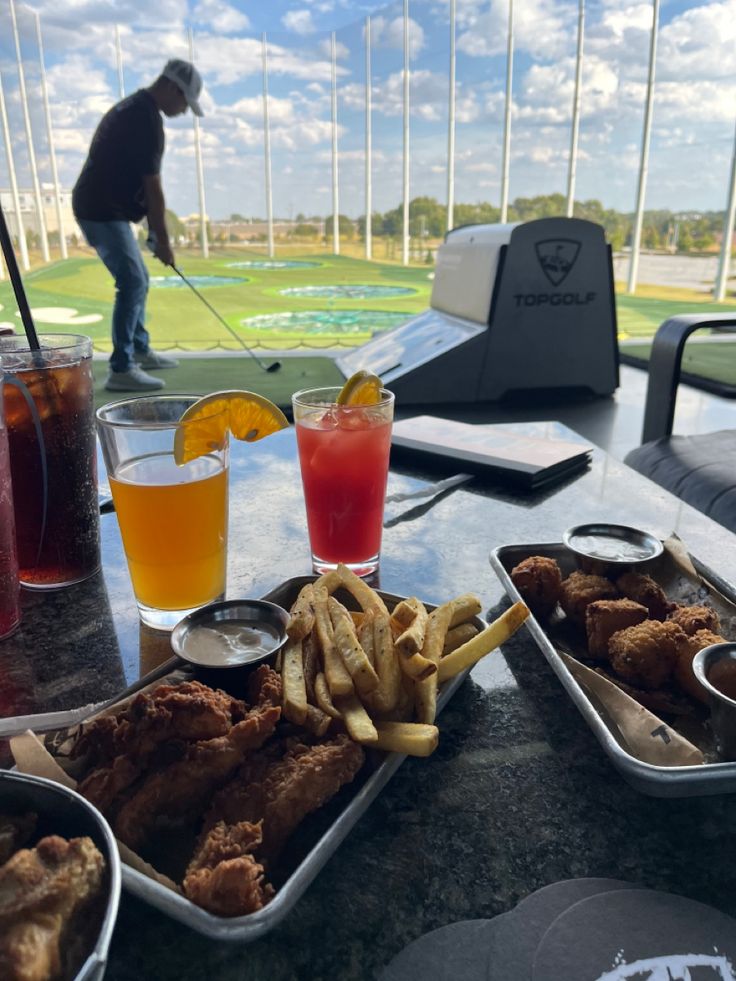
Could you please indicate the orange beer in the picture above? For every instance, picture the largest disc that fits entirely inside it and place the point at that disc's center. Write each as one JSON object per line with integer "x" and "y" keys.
{"x": 173, "y": 523}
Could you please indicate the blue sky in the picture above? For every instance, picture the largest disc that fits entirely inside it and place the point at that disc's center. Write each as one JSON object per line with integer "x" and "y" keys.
{"x": 693, "y": 123}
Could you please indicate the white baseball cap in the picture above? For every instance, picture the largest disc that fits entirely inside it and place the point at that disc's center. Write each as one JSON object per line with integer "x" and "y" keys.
{"x": 186, "y": 77}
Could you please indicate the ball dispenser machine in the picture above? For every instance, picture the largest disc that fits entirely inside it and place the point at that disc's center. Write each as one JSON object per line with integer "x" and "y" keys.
{"x": 514, "y": 308}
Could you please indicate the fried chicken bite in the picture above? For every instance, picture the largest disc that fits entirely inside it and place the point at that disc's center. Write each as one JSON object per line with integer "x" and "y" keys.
{"x": 688, "y": 647}
{"x": 694, "y": 618}
{"x": 604, "y": 618}
{"x": 645, "y": 654}
{"x": 643, "y": 589}
{"x": 579, "y": 590}
{"x": 538, "y": 580}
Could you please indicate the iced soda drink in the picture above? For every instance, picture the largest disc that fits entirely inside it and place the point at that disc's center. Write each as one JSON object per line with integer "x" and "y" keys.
{"x": 49, "y": 412}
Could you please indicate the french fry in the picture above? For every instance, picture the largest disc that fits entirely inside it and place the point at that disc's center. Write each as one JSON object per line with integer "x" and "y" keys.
{"x": 412, "y": 639}
{"x": 316, "y": 722}
{"x": 417, "y": 667}
{"x": 294, "y": 697}
{"x": 311, "y": 658}
{"x": 301, "y": 619}
{"x": 330, "y": 580}
{"x": 457, "y": 636}
{"x": 367, "y": 598}
{"x": 338, "y": 678}
{"x": 358, "y": 618}
{"x": 464, "y": 608}
{"x": 356, "y": 719}
{"x": 322, "y": 697}
{"x": 487, "y": 640}
{"x": 354, "y": 658}
{"x": 438, "y": 622}
{"x": 412, "y": 738}
{"x": 365, "y": 635}
{"x": 386, "y": 696}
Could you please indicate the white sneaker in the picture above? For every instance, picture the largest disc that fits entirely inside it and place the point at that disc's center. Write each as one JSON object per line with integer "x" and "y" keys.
{"x": 133, "y": 380}
{"x": 153, "y": 359}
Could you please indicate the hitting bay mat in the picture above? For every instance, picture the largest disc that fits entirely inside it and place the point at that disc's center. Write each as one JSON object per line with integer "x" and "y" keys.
{"x": 200, "y": 376}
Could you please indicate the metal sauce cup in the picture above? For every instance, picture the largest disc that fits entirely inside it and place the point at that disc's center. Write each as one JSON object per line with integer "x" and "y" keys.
{"x": 707, "y": 664}
{"x": 230, "y": 634}
{"x": 601, "y": 547}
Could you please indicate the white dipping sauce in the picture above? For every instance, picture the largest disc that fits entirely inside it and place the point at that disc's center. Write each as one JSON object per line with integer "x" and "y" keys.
{"x": 611, "y": 547}
{"x": 229, "y": 642}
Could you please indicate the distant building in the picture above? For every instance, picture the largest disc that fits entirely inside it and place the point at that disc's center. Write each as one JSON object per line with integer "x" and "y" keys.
{"x": 29, "y": 215}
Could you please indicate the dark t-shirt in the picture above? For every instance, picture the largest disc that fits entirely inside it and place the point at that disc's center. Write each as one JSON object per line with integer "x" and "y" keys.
{"x": 127, "y": 146}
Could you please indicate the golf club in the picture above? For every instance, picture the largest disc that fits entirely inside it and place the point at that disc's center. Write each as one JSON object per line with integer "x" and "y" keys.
{"x": 270, "y": 368}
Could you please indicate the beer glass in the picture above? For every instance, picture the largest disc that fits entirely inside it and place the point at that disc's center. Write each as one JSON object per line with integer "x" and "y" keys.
{"x": 173, "y": 518}
{"x": 49, "y": 413}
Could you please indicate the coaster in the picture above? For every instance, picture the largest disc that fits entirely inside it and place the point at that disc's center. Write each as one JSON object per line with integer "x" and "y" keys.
{"x": 637, "y": 934}
{"x": 458, "y": 950}
{"x": 515, "y": 941}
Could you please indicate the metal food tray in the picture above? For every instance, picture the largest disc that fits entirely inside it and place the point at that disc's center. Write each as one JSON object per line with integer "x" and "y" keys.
{"x": 657, "y": 781}
{"x": 253, "y": 925}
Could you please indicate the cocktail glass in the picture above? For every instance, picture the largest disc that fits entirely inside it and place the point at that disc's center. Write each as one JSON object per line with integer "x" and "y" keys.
{"x": 9, "y": 584}
{"x": 343, "y": 454}
{"x": 49, "y": 413}
{"x": 173, "y": 519}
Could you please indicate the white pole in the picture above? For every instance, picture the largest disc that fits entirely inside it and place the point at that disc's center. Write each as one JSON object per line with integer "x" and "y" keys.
{"x": 335, "y": 189}
{"x": 119, "y": 61}
{"x": 507, "y": 117}
{"x": 405, "y": 229}
{"x": 573, "y": 162}
{"x": 267, "y": 146}
{"x": 451, "y": 126}
{"x": 368, "y": 144}
{"x": 29, "y": 139}
{"x": 200, "y": 171}
{"x": 727, "y": 243}
{"x": 22, "y": 246}
{"x": 644, "y": 163}
{"x": 50, "y": 137}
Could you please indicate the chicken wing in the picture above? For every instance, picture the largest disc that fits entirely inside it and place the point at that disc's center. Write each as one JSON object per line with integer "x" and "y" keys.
{"x": 42, "y": 893}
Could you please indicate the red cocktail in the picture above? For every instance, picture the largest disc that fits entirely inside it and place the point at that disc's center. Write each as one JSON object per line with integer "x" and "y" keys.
{"x": 49, "y": 412}
{"x": 9, "y": 585}
{"x": 343, "y": 453}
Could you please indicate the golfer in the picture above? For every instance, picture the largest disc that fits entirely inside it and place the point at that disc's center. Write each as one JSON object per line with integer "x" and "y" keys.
{"x": 121, "y": 183}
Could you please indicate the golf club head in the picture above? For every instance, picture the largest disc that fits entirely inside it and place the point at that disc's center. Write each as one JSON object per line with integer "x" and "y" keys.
{"x": 273, "y": 367}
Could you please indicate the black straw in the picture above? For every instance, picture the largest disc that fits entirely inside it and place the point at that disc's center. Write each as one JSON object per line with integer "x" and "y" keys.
{"x": 20, "y": 293}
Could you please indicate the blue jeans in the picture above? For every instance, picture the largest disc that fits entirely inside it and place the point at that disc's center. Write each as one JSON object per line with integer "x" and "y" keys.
{"x": 115, "y": 244}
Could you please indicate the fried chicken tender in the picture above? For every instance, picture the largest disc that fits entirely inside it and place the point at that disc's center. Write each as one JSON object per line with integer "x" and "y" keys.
{"x": 579, "y": 590}
{"x": 538, "y": 580}
{"x": 643, "y": 589}
{"x": 180, "y": 792}
{"x": 190, "y": 711}
{"x": 224, "y": 877}
{"x": 688, "y": 647}
{"x": 645, "y": 654}
{"x": 695, "y": 618}
{"x": 43, "y": 891}
{"x": 281, "y": 791}
{"x": 603, "y": 618}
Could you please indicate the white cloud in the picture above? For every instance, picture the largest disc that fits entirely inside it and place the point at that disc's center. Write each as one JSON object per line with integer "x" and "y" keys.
{"x": 220, "y": 16}
{"x": 299, "y": 21}
{"x": 543, "y": 28}
{"x": 387, "y": 33}
{"x": 342, "y": 51}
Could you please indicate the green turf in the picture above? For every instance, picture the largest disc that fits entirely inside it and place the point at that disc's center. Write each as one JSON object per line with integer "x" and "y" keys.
{"x": 199, "y": 376}
{"x": 176, "y": 317}
{"x": 712, "y": 362}
{"x": 639, "y": 316}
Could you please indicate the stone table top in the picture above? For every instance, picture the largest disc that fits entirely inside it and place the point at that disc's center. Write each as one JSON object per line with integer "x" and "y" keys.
{"x": 519, "y": 793}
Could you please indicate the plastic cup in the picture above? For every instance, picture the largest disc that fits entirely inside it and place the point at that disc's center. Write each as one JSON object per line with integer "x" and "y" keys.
{"x": 343, "y": 455}
{"x": 49, "y": 414}
{"x": 173, "y": 519}
{"x": 9, "y": 584}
